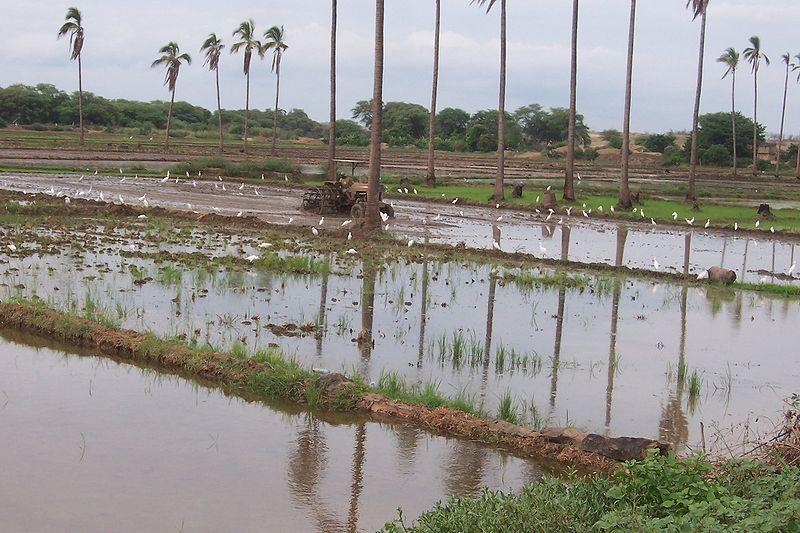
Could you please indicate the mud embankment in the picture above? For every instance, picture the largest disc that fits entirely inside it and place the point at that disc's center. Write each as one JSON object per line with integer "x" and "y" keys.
{"x": 274, "y": 378}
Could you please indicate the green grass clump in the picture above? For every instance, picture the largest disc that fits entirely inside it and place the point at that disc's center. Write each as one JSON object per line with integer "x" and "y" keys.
{"x": 507, "y": 410}
{"x": 661, "y": 493}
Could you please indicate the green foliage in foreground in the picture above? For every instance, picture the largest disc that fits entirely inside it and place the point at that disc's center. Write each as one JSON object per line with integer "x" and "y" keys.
{"x": 658, "y": 494}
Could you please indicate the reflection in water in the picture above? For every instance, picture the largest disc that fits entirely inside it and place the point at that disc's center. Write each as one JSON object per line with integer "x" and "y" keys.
{"x": 465, "y": 470}
{"x": 744, "y": 260}
{"x": 366, "y": 342}
{"x": 359, "y": 456}
{"x": 673, "y": 426}
{"x": 321, "y": 315}
{"x": 562, "y": 296}
{"x": 622, "y": 237}
{"x": 423, "y": 313}
{"x": 724, "y": 249}
{"x": 687, "y": 251}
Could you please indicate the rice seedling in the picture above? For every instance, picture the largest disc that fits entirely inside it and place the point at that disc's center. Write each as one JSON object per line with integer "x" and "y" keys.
{"x": 506, "y": 409}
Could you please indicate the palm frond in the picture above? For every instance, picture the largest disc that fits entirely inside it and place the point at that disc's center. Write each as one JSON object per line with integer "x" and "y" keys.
{"x": 729, "y": 58}
{"x": 488, "y": 3}
{"x": 698, "y": 7}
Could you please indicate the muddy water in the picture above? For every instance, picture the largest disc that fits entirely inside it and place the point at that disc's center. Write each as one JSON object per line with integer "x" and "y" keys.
{"x": 93, "y": 445}
{"x": 592, "y": 241}
{"x": 614, "y": 356}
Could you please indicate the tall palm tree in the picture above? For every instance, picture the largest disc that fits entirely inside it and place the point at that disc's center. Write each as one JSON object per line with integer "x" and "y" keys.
{"x": 700, "y": 9}
{"x": 501, "y": 111}
{"x": 730, "y": 58}
{"x": 212, "y": 47}
{"x": 332, "y": 125}
{"x": 754, "y": 56}
{"x": 275, "y": 40}
{"x": 624, "y": 188}
{"x": 787, "y": 60}
{"x": 372, "y": 220}
{"x": 569, "y": 177}
{"x": 246, "y": 33}
{"x": 797, "y": 67}
{"x": 430, "y": 178}
{"x": 171, "y": 59}
{"x": 74, "y": 28}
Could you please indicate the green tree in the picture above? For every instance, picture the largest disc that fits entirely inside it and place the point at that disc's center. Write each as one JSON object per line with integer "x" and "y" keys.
{"x": 74, "y": 28}
{"x": 246, "y": 33}
{"x": 501, "y": 115}
{"x": 171, "y": 59}
{"x": 451, "y": 121}
{"x": 482, "y": 134}
{"x": 362, "y": 112}
{"x": 212, "y": 48}
{"x": 714, "y": 128}
{"x": 730, "y": 58}
{"x": 539, "y": 126}
{"x": 754, "y": 56}
{"x": 275, "y": 40}
{"x": 657, "y": 142}
{"x": 351, "y": 133}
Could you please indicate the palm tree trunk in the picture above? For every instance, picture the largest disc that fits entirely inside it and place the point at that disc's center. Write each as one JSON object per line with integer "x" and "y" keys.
{"x": 373, "y": 190}
{"x": 690, "y": 195}
{"x": 246, "y": 110}
{"x": 332, "y": 127}
{"x": 219, "y": 115}
{"x": 755, "y": 122}
{"x": 275, "y": 114}
{"x": 169, "y": 120}
{"x": 80, "y": 97}
{"x": 430, "y": 178}
{"x": 733, "y": 120}
{"x": 783, "y": 123}
{"x": 569, "y": 178}
{"x": 501, "y": 111}
{"x": 624, "y": 189}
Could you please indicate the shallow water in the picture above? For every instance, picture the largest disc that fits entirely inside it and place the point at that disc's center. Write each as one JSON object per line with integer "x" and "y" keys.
{"x": 587, "y": 240}
{"x": 611, "y": 356}
{"x": 93, "y": 445}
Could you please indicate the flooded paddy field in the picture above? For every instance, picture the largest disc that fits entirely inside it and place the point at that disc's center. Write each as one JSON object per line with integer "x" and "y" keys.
{"x": 608, "y": 354}
{"x": 754, "y": 257}
{"x": 115, "y": 447}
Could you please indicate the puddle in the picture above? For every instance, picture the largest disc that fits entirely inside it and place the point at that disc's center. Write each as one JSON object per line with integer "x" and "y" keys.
{"x": 93, "y": 445}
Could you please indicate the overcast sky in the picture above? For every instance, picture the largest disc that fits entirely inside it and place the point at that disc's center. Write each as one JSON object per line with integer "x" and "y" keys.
{"x": 123, "y": 37}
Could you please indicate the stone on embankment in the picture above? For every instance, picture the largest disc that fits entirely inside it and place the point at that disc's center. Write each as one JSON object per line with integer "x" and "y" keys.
{"x": 621, "y": 448}
{"x": 569, "y": 436}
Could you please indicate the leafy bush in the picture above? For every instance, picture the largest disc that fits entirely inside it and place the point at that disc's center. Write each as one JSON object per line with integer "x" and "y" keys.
{"x": 716, "y": 155}
{"x": 672, "y": 157}
{"x": 660, "y": 493}
{"x": 657, "y": 142}
{"x": 613, "y": 138}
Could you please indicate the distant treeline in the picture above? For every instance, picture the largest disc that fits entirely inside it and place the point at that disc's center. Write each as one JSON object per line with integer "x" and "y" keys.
{"x": 530, "y": 127}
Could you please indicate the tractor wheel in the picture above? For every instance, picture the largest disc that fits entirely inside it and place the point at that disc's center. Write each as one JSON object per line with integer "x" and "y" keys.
{"x": 357, "y": 211}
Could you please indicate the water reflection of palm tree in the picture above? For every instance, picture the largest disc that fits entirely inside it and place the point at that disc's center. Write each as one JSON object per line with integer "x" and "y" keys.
{"x": 619, "y": 260}
{"x": 744, "y": 262}
{"x": 465, "y": 470}
{"x": 562, "y": 296}
{"x": 365, "y": 337}
{"x": 673, "y": 427}
{"x": 687, "y": 251}
{"x": 423, "y": 315}
{"x": 323, "y": 304}
{"x": 724, "y": 248}
{"x": 357, "y": 485}
{"x": 304, "y": 472}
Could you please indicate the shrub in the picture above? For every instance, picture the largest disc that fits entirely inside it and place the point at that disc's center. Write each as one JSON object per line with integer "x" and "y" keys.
{"x": 671, "y": 157}
{"x": 716, "y": 155}
{"x": 613, "y": 137}
{"x": 657, "y": 142}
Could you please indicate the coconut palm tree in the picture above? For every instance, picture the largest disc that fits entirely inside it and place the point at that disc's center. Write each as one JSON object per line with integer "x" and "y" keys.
{"x": 275, "y": 40}
{"x": 430, "y": 178}
{"x": 212, "y": 47}
{"x": 246, "y": 33}
{"x": 730, "y": 58}
{"x": 332, "y": 125}
{"x": 700, "y": 9}
{"x": 569, "y": 178}
{"x": 171, "y": 59}
{"x": 372, "y": 220}
{"x": 501, "y": 111}
{"x": 74, "y": 28}
{"x": 797, "y": 67}
{"x": 624, "y": 189}
{"x": 787, "y": 60}
{"x": 754, "y": 56}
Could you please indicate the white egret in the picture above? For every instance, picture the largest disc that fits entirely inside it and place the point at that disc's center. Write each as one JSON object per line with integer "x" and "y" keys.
{"x": 314, "y": 231}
